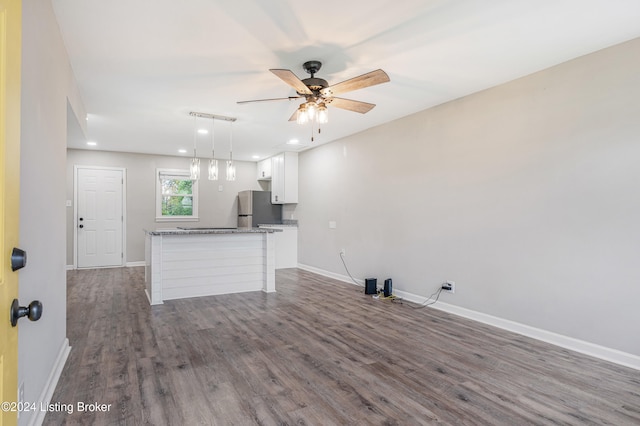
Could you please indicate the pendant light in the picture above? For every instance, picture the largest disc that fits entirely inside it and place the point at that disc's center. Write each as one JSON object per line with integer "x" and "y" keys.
{"x": 194, "y": 170}
{"x": 213, "y": 163}
{"x": 231, "y": 168}
{"x": 213, "y": 170}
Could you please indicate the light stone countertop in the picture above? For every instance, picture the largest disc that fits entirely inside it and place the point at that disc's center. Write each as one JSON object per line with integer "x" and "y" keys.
{"x": 203, "y": 230}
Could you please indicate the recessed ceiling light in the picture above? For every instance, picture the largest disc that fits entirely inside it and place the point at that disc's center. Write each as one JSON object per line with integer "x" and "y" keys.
{"x": 255, "y": 157}
{"x": 90, "y": 143}
{"x": 203, "y": 131}
{"x": 293, "y": 142}
{"x": 182, "y": 151}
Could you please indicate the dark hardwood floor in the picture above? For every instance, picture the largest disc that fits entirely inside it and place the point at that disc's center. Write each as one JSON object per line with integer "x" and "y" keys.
{"x": 317, "y": 352}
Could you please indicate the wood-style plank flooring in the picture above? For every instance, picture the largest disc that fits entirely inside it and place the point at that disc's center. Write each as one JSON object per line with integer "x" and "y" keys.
{"x": 317, "y": 352}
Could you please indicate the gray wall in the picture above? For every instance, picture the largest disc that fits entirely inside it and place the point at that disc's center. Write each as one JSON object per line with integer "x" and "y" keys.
{"x": 48, "y": 86}
{"x": 526, "y": 195}
{"x": 215, "y": 208}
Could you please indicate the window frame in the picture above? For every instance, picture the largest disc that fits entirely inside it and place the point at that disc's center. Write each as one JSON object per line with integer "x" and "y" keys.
{"x": 194, "y": 196}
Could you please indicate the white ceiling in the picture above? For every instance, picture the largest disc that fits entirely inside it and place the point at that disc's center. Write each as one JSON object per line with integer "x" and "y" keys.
{"x": 143, "y": 65}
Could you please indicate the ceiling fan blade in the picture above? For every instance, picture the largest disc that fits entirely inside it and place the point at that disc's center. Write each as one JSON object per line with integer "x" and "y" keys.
{"x": 294, "y": 116}
{"x": 365, "y": 80}
{"x": 350, "y": 105}
{"x": 292, "y": 80}
{"x": 290, "y": 98}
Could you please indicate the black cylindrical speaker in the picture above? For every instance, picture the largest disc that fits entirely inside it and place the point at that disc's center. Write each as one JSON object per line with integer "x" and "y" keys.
{"x": 370, "y": 286}
{"x": 387, "y": 287}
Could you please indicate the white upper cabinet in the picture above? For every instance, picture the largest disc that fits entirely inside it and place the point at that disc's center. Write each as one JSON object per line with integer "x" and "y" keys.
{"x": 264, "y": 169}
{"x": 284, "y": 178}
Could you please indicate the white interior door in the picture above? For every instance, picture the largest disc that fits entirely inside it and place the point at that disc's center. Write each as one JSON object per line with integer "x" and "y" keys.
{"x": 100, "y": 217}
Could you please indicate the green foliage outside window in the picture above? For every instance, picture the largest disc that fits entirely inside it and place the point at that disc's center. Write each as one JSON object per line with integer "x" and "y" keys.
{"x": 177, "y": 197}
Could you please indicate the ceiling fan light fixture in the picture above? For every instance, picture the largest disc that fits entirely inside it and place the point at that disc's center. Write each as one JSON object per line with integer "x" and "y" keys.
{"x": 318, "y": 93}
{"x": 312, "y": 108}
{"x": 302, "y": 117}
{"x": 323, "y": 114}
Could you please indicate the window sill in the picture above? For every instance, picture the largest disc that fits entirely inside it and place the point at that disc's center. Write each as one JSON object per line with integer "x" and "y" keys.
{"x": 178, "y": 219}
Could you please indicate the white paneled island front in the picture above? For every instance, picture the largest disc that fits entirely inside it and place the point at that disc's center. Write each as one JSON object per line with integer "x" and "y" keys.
{"x": 194, "y": 262}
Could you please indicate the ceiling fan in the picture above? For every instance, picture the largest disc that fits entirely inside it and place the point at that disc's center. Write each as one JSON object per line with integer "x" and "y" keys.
{"x": 318, "y": 94}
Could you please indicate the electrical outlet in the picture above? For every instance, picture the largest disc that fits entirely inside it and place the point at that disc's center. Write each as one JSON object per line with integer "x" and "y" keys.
{"x": 343, "y": 252}
{"x": 449, "y": 286}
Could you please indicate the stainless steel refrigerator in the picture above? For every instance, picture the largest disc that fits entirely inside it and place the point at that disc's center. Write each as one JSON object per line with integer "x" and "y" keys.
{"x": 255, "y": 208}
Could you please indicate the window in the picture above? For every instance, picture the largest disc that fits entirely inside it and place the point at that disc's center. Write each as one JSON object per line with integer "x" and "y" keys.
{"x": 176, "y": 196}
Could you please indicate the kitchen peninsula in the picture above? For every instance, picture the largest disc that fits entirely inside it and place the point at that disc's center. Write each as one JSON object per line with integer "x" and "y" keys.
{"x": 192, "y": 262}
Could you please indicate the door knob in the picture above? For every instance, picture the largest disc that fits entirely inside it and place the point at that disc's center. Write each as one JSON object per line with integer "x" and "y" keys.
{"x": 18, "y": 259}
{"x": 33, "y": 311}
{"x": 81, "y": 226}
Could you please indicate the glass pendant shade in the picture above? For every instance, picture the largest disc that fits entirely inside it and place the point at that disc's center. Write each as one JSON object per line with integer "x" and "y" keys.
{"x": 213, "y": 169}
{"x": 231, "y": 171}
{"x": 311, "y": 110}
{"x": 302, "y": 117}
{"x": 194, "y": 170}
{"x": 231, "y": 168}
{"x": 213, "y": 163}
{"x": 323, "y": 114}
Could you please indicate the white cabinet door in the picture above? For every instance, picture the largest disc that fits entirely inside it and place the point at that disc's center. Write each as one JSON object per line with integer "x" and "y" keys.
{"x": 284, "y": 178}
{"x": 277, "y": 179}
{"x": 264, "y": 169}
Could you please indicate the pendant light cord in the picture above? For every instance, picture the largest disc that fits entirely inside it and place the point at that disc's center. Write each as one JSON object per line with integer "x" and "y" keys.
{"x": 231, "y": 143}
{"x": 195, "y": 136}
{"x": 213, "y": 146}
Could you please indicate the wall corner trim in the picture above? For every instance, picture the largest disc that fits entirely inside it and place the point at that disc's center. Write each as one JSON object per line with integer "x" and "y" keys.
{"x": 591, "y": 349}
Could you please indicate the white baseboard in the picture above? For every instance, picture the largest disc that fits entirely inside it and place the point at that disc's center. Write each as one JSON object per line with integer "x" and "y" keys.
{"x": 128, "y": 265}
{"x": 329, "y": 274}
{"x": 51, "y": 383}
{"x": 591, "y": 349}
